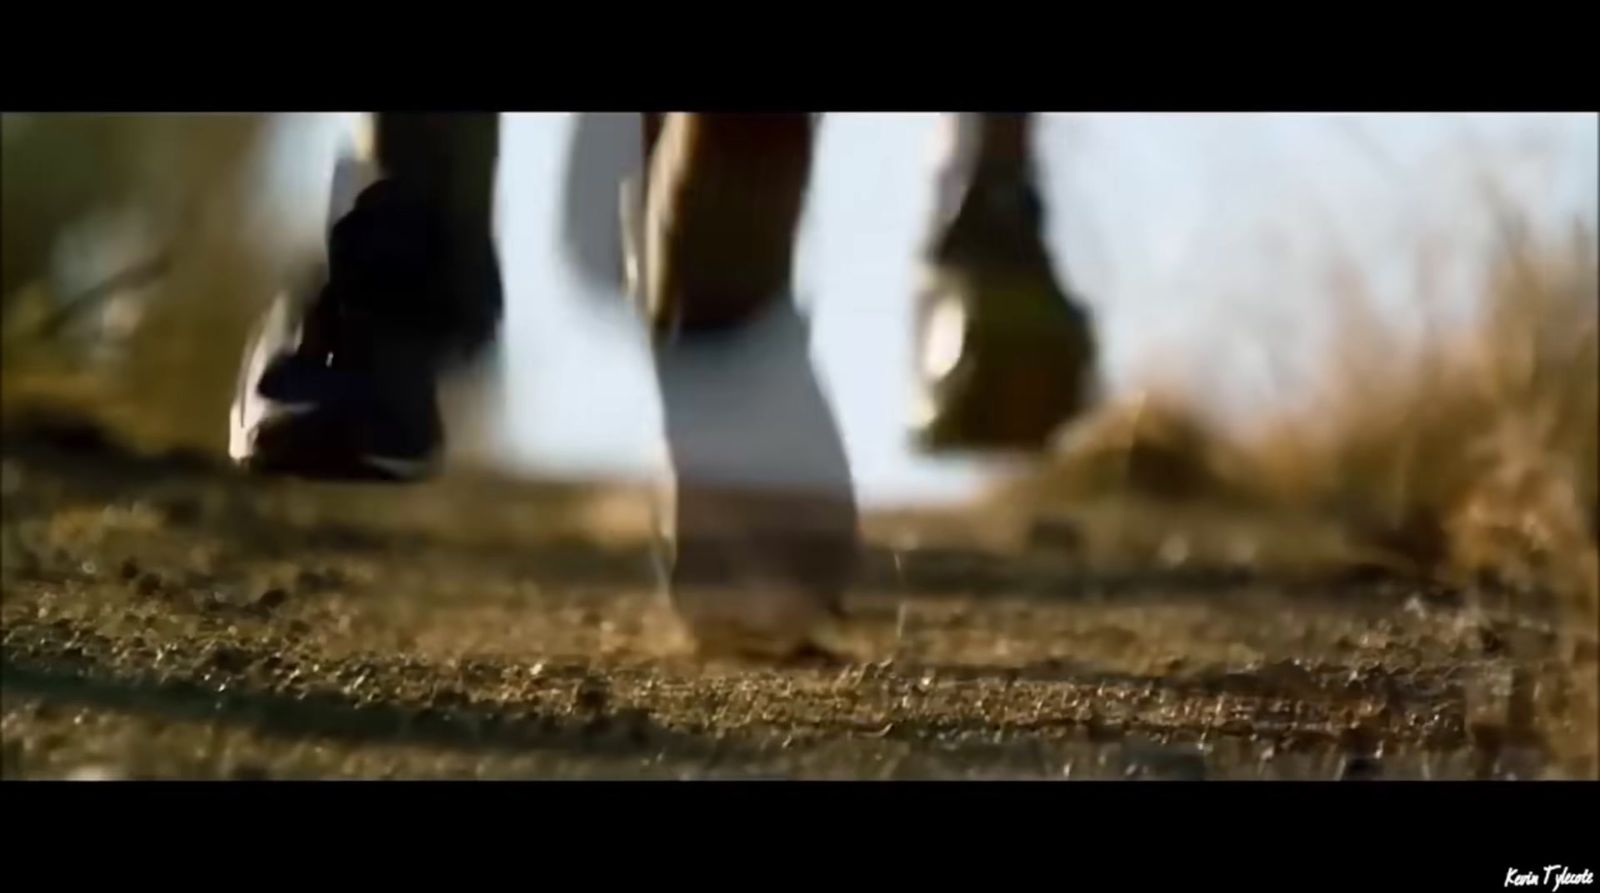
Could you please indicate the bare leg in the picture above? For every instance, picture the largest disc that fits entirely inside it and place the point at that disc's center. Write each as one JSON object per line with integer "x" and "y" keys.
{"x": 762, "y": 519}
{"x": 724, "y": 199}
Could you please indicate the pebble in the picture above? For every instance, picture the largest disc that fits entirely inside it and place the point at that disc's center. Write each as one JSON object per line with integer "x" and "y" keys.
{"x": 1174, "y": 551}
{"x": 445, "y": 698}
{"x": 1056, "y": 535}
{"x": 230, "y": 659}
{"x": 311, "y": 582}
{"x": 181, "y": 511}
{"x": 1174, "y": 763}
{"x": 591, "y": 696}
{"x": 250, "y": 772}
{"x": 1359, "y": 767}
{"x": 10, "y": 478}
{"x": 95, "y": 773}
{"x": 15, "y": 555}
{"x": 1491, "y": 641}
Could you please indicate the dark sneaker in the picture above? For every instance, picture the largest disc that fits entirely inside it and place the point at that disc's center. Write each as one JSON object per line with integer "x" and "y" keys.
{"x": 346, "y": 388}
{"x": 1005, "y": 356}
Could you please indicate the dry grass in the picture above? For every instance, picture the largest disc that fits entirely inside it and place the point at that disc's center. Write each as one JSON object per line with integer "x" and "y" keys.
{"x": 1473, "y": 453}
{"x": 1470, "y": 455}
{"x": 1475, "y": 458}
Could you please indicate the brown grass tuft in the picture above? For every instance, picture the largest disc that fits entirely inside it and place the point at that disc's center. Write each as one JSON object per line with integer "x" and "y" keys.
{"x": 1472, "y": 455}
{"x": 1154, "y": 445}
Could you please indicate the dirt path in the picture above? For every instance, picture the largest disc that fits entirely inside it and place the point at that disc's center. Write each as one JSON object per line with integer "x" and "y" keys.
{"x": 163, "y": 618}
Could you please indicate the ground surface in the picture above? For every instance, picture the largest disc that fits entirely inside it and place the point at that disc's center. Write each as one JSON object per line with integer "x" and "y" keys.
{"x": 166, "y": 618}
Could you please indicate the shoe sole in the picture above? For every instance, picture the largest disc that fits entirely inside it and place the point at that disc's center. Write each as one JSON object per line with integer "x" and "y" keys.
{"x": 275, "y": 333}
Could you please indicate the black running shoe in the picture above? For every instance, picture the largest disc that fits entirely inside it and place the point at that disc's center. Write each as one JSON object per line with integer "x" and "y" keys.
{"x": 1005, "y": 355}
{"x": 346, "y": 388}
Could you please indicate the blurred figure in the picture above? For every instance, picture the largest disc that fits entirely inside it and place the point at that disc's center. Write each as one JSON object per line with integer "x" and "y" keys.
{"x": 125, "y": 235}
{"x": 345, "y": 386}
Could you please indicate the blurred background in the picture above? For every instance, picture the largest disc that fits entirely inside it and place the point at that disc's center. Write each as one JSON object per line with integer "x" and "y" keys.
{"x": 1217, "y": 252}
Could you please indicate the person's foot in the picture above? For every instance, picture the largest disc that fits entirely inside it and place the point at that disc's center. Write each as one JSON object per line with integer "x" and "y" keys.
{"x": 759, "y": 571}
{"x": 345, "y": 388}
{"x": 1004, "y": 355}
{"x": 756, "y": 519}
